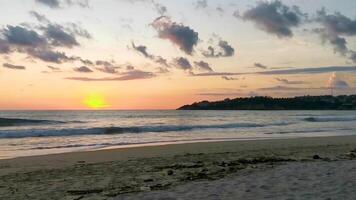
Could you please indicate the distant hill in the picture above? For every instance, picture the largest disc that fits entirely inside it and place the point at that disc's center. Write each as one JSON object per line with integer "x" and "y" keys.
{"x": 269, "y": 103}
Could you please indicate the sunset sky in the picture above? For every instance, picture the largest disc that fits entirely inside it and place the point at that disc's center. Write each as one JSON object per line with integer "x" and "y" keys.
{"x": 161, "y": 54}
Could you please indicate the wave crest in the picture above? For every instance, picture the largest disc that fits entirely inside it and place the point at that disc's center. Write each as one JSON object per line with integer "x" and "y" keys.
{"x": 122, "y": 130}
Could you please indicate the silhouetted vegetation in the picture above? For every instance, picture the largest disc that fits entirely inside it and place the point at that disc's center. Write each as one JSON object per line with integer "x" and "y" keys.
{"x": 269, "y": 103}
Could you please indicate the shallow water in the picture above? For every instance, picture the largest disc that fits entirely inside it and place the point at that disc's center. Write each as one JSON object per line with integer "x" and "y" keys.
{"x": 46, "y": 132}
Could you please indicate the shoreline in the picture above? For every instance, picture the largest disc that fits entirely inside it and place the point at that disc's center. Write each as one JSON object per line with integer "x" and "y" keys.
{"x": 124, "y": 152}
{"x": 110, "y": 173}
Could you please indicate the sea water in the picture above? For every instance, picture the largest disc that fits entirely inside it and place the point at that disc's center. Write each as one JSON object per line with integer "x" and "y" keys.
{"x": 25, "y": 133}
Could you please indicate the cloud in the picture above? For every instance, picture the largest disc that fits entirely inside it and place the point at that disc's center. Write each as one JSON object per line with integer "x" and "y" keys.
{"x": 261, "y": 66}
{"x": 288, "y": 82}
{"x": 336, "y": 82}
{"x": 201, "y": 4}
{"x": 83, "y": 69}
{"x": 227, "y": 78}
{"x": 159, "y": 8}
{"x": 315, "y": 70}
{"x": 57, "y": 4}
{"x": 274, "y": 17}
{"x": 54, "y": 69}
{"x": 311, "y": 70}
{"x": 40, "y": 43}
{"x": 126, "y": 76}
{"x": 143, "y": 50}
{"x": 4, "y": 46}
{"x": 183, "y": 63}
{"x": 39, "y": 17}
{"x": 48, "y": 55}
{"x": 21, "y": 36}
{"x": 130, "y": 67}
{"x": 280, "y": 87}
{"x": 203, "y": 65}
{"x": 219, "y": 74}
{"x": 334, "y": 29}
{"x": 107, "y": 67}
{"x": 59, "y": 37}
{"x": 161, "y": 61}
{"x": 10, "y": 66}
{"x": 182, "y": 36}
{"x": 226, "y": 50}
{"x": 50, "y": 3}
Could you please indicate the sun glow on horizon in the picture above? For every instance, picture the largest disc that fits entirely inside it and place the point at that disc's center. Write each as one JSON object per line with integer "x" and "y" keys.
{"x": 96, "y": 101}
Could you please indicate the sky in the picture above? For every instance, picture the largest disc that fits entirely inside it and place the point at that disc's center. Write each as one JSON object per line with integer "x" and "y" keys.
{"x": 162, "y": 54}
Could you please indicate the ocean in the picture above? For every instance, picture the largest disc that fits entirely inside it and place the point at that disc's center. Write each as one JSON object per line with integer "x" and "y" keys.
{"x": 26, "y": 133}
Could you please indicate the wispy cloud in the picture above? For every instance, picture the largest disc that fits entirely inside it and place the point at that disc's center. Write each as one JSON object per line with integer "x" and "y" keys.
{"x": 126, "y": 76}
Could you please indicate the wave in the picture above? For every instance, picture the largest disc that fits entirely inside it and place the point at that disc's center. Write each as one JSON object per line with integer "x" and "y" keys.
{"x": 5, "y": 122}
{"x": 123, "y": 130}
{"x": 330, "y": 119}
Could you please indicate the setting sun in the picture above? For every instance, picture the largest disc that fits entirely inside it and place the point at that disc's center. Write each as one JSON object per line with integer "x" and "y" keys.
{"x": 96, "y": 101}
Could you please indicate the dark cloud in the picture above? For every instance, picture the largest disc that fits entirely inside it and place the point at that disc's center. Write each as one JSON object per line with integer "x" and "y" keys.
{"x": 226, "y": 50}
{"x": 83, "y": 69}
{"x": 126, "y": 76}
{"x": 4, "y": 46}
{"x": 21, "y": 36}
{"x": 56, "y": 4}
{"x": 10, "y": 66}
{"x": 261, "y": 66}
{"x": 334, "y": 29}
{"x": 161, "y": 61}
{"x": 85, "y": 61}
{"x": 203, "y": 66}
{"x": 48, "y": 55}
{"x": 50, "y": 3}
{"x": 143, "y": 50}
{"x": 59, "y": 37}
{"x": 157, "y": 59}
{"x": 182, "y": 36}
{"x": 77, "y": 30}
{"x": 227, "y": 78}
{"x": 274, "y": 17}
{"x": 288, "y": 82}
{"x": 183, "y": 63}
{"x": 54, "y": 69}
{"x": 39, "y": 43}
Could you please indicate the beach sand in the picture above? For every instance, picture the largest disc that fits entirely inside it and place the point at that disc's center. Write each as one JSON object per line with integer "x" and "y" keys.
{"x": 303, "y": 168}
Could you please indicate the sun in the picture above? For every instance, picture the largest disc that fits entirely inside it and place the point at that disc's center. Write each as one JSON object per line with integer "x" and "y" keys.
{"x": 96, "y": 101}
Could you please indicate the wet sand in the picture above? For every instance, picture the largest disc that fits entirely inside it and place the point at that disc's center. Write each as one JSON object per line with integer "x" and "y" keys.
{"x": 226, "y": 169}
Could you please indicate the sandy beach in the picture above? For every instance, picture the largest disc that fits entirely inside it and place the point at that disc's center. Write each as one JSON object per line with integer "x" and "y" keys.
{"x": 302, "y": 168}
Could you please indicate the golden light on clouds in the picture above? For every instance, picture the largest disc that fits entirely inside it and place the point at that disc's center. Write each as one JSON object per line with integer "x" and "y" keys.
{"x": 96, "y": 101}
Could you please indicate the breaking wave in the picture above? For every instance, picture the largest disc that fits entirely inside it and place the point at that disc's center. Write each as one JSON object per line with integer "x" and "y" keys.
{"x": 123, "y": 130}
